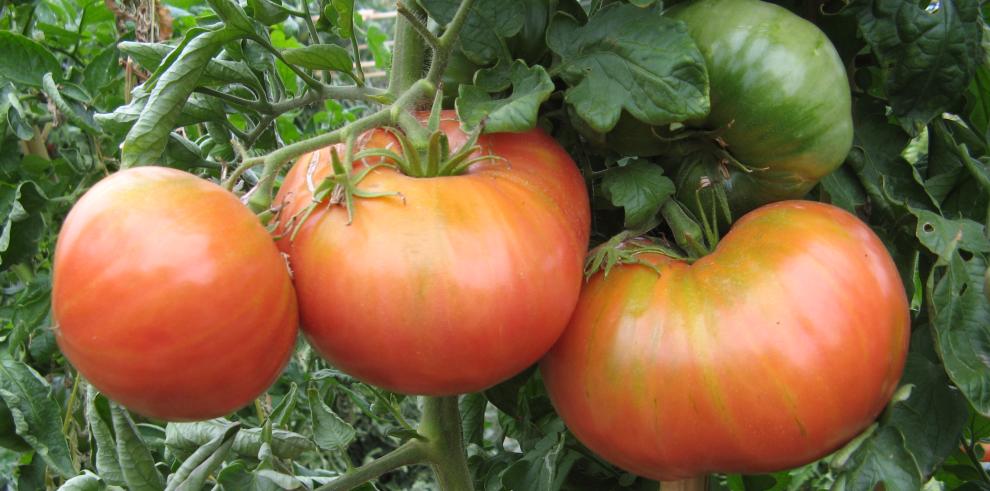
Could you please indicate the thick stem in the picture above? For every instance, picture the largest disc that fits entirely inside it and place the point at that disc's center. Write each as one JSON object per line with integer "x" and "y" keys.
{"x": 441, "y": 425}
{"x": 411, "y": 452}
{"x": 693, "y": 484}
{"x": 409, "y": 53}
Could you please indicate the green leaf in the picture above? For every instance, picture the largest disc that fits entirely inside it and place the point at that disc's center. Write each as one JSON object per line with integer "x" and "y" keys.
{"x": 238, "y": 476}
{"x": 146, "y": 140}
{"x": 22, "y": 224}
{"x": 74, "y": 117}
{"x": 8, "y": 431}
{"x": 194, "y": 471}
{"x": 633, "y": 59}
{"x": 530, "y": 87}
{"x": 881, "y": 458}
{"x": 376, "y": 43}
{"x": 960, "y": 316}
{"x": 344, "y": 19}
{"x": 943, "y": 236}
{"x": 218, "y": 72}
{"x": 267, "y": 12}
{"x": 472, "y": 408}
{"x": 928, "y": 53}
{"x": 488, "y": 24}
{"x": 182, "y": 439}
{"x": 85, "y": 482}
{"x": 136, "y": 462}
{"x": 932, "y": 418}
{"x": 233, "y": 16}
{"x": 844, "y": 190}
{"x": 544, "y": 467}
{"x": 891, "y": 182}
{"x": 100, "y": 427}
{"x": 329, "y": 431}
{"x": 320, "y": 57}
{"x": 24, "y": 61}
{"x": 37, "y": 417}
{"x": 640, "y": 188}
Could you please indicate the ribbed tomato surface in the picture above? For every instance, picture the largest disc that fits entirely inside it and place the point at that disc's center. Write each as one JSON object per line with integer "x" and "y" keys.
{"x": 769, "y": 353}
{"x": 459, "y": 284}
{"x": 170, "y": 297}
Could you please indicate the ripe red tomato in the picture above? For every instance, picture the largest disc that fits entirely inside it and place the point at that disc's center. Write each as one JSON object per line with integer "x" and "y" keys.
{"x": 769, "y": 353}
{"x": 461, "y": 283}
{"x": 170, "y": 297}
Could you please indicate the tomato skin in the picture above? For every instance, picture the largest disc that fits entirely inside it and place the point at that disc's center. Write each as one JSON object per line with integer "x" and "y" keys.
{"x": 771, "y": 352}
{"x": 779, "y": 92}
{"x": 461, "y": 284}
{"x": 170, "y": 297}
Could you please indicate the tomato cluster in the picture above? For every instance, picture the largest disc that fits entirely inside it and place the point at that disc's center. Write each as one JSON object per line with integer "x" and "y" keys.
{"x": 781, "y": 345}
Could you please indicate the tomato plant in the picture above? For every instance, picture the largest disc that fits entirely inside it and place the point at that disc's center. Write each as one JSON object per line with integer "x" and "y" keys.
{"x": 147, "y": 288}
{"x": 781, "y": 345}
{"x": 454, "y": 159}
{"x": 478, "y": 271}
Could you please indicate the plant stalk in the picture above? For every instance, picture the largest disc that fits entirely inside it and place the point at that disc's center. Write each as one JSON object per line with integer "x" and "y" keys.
{"x": 411, "y": 452}
{"x": 441, "y": 425}
{"x": 692, "y": 484}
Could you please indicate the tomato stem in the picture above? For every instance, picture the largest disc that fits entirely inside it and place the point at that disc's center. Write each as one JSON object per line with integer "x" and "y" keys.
{"x": 692, "y": 484}
{"x": 441, "y": 425}
{"x": 411, "y": 452}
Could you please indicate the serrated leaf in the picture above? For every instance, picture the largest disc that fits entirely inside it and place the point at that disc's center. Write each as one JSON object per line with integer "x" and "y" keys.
{"x": 843, "y": 189}
{"x": 943, "y": 236}
{"x": 233, "y": 16}
{"x": 87, "y": 481}
{"x": 488, "y": 24}
{"x": 640, "y": 188}
{"x": 472, "y": 408}
{"x": 928, "y": 53}
{"x": 516, "y": 113}
{"x": 267, "y": 12}
{"x": 217, "y": 72}
{"x": 192, "y": 474}
{"x": 182, "y": 439}
{"x": 626, "y": 58}
{"x": 24, "y": 61}
{"x": 329, "y": 431}
{"x": 22, "y": 223}
{"x": 100, "y": 423}
{"x": 37, "y": 417}
{"x": 344, "y": 24}
{"x": 891, "y": 182}
{"x": 933, "y": 416}
{"x": 320, "y": 57}
{"x": 881, "y": 458}
{"x": 542, "y": 468}
{"x": 960, "y": 316}
{"x": 136, "y": 462}
{"x": 146, "y": 140}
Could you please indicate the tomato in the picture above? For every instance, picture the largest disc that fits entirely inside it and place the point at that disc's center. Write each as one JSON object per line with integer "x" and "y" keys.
{"x": 769, "y": 353}
{"x": 170, "y": 297}
{"x": 459, "y": 284}
{"x": 779, "y": 94}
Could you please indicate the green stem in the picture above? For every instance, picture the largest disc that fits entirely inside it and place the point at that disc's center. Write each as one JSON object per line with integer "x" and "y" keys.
{"x": 411, "y": 452}
{"x": 692, "y": 484}
{"x": 447, "y": 41}
{"x": 441, "y": 425}
{"x": 409, "y": 55}
{"x": 70, "y": 406}
{"x": 687, "y": 233}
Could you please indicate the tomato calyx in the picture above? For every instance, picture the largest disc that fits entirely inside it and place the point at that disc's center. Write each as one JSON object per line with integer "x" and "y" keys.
{"x": 625, "y": 248}
{"x": 436, "y": 159}
{"x": 339, "y": 188}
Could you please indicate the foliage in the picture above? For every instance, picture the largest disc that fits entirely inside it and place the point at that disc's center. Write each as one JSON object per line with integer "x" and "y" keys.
{"x": 88, "y": 86}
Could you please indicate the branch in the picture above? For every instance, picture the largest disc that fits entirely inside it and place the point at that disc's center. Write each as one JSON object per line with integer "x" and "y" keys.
{"x": 417, "y": 24}
{"x": 411, "y": 452}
